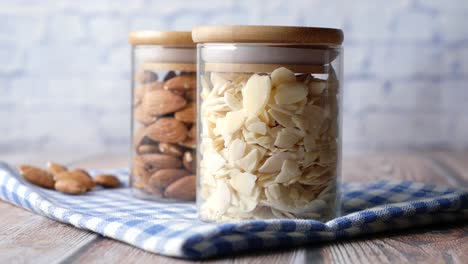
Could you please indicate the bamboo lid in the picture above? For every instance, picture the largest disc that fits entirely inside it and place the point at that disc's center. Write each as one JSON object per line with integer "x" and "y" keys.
{"x": 172, "y": 38}
{"x": 267, "y": 34}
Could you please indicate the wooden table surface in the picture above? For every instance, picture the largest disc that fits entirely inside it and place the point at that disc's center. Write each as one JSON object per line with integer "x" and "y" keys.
{"x": 29, "y": 238}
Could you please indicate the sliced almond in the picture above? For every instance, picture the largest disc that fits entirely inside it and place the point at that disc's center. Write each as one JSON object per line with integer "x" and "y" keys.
{"x": 282, "y": 118}
{"x": 236, "y": 150}
{"x": 244, "y": 183}
{"x": 232, "y": 101}
{"x": 250, "y": 161}
{"x": 287, "y": 138}
{"x": 282, "y": 75}
{"x": 256, "y": 94}
{"x": 289, "y": 93}
{"x": 316, "y": 86}
{"x": 274, "y": 162}
{"x": 257, "y": 127}
{"x": 233, "y": 122}
{"x": 289, "y": 170}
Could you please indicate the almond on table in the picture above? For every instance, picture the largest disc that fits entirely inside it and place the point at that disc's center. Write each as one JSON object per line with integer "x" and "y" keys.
{"x": 69, "y": 181}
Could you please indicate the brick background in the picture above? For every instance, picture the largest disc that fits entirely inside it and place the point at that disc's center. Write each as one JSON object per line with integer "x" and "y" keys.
{"x": 65, "y": 65}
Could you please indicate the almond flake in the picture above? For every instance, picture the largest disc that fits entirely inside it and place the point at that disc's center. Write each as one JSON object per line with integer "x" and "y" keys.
{"x": 214, "y": 162}
{"x": 258, "y": 127}
{"x": 219, "y": 126}
{"x": 289, "y": 170}
{"x": 233, "y": 121}
{"x": 286, "y": 138}
{"x": 236, "y": 150}
{"x": 250, "y": 161}
{"x": 232, "y": 101}
{"x": 282, "y": 119}
{"x": 316, "y": 87}
{"x": 244, "y": 183}
{"x": 282, "y": 75}
{"x": 289, "y": 93}
{"x": 309, "y": 142}
{"x": 219, "y": 201}
{"x": 274, "y": 162}
{"x": 310, "y": 158}
{"x": 256, "y": 93}
{"x": 217, "y": 80}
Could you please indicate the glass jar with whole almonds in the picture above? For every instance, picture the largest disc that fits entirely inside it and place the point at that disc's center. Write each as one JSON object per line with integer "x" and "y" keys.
{"x": 270, "y": 122}
{"x": 164, "y": 115}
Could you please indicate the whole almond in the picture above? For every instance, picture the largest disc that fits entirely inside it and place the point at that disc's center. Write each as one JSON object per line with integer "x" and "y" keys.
{"x": 147, "y": 149}
{"x": 193, "y": 132}
{"x": 142, "y": 116}
{"x": 37, "y": 176}
{"x": 161, "y": 102}
{"x": 153, "y": 86}
{"x": 170, "y": 149}
{"x": 162, "y": 178}
{"x": 154, "y": 162}
{"x": 188, "y": 160}
{"x": 189, "y": 143}
{"x": 188, "y": 114}
{"x": 167, "y": 130}
{"x": 70, "y": 186}
{"x": 107, "y": 181}
{"x": 144, "y": 187}
{"x": 181, "y": 83}
{"x": 140, "y": 170}
{"x": 77, "y": 175}
{"x": 138, "y": 94}
{"x": 140, "y": 138}
{"x": 55, "y": 168}
{"x": 182, "y": 189}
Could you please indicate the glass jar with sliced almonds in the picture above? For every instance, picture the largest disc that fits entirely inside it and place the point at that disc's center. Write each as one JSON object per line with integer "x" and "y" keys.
{"x": 164, "y": 115}
{"x": 270, "y": 122}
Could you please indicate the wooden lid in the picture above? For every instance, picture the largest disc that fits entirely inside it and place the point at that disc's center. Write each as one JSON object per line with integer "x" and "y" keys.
{"x": 267, "y": 34}
{"x": 173, "y": 38}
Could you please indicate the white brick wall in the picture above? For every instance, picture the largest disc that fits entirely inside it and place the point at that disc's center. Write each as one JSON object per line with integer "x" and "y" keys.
{"x": 65, "y": 66}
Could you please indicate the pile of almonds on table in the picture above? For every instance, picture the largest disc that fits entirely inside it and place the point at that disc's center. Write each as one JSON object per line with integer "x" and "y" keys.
{"x": 164, "y": 136}
{"x": 60, "y": 178}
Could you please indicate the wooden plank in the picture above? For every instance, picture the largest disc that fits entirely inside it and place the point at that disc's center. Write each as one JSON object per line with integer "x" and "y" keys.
{"x": 455, "y": 165}
{"x": 27, "y": 237}
{"x": 431, "y": 245}
{"x": 436, "y": 244}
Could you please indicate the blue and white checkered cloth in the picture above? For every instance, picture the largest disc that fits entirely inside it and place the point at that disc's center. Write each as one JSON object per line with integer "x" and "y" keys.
{"x": 174, "y": 230}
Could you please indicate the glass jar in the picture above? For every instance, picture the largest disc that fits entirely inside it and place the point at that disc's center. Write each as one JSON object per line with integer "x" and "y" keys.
{"x": 270, "y": 113}
{"x": 164, "y": 115}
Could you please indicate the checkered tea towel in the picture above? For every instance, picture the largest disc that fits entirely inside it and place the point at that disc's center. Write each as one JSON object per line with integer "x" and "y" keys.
{"x": 174, "y": 230}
